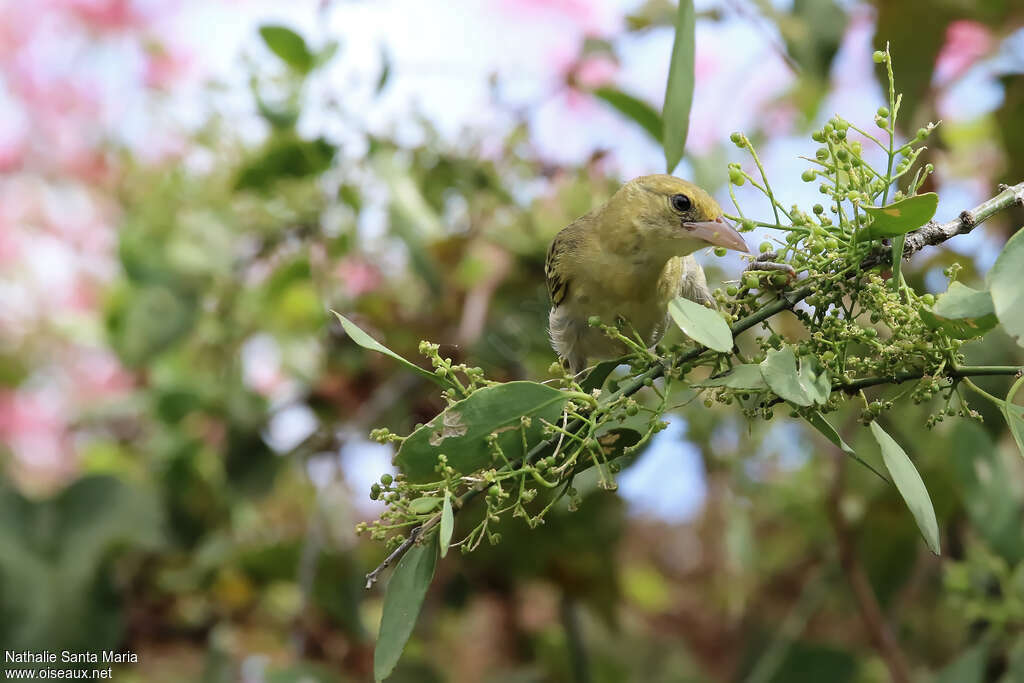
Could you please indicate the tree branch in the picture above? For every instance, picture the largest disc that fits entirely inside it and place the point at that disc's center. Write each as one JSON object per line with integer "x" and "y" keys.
{"x": 900, "y": 377}
{"x": 936, "y": 233}
{"x": 928, "y": 235}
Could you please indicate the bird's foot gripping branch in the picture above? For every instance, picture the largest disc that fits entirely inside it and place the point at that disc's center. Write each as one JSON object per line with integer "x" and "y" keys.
{"x": 519, "y": 448}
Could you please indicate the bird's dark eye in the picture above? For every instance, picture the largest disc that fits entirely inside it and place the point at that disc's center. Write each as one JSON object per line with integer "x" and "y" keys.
{"x": 681, "y": 203}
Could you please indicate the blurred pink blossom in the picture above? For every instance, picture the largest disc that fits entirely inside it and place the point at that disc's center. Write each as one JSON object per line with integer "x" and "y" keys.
{"x": 966, "y": 43}
{"x": 162, "y": 67}
{"x": 357, "y": 276}
{"x": 594, "y": 72}
{"x": 96, "y": 373}
{"x": 105, "y": 15}
{"x": 32, "y": 424}
{"x": 581, "y": 74}
{"x": 12, "y": 153}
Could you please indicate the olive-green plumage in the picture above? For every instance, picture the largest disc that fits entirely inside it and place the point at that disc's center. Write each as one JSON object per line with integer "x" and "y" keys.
{"x": 626, "y": 260}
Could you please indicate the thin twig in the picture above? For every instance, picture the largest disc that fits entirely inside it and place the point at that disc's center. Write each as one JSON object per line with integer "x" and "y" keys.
{"x": 397, "y": 553}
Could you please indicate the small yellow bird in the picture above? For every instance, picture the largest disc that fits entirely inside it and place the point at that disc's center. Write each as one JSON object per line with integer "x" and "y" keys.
{"x": 627, "y": 260}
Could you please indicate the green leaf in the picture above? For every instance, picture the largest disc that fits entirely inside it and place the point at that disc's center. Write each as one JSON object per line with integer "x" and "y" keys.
{"x": 900, "y": 217}
{"x": 1006, "y": 283}
{"x": 745, "y": 376}
{"x": 898, "y": 243}
{"x": 412, "y": 218}
{"x": 815, "y": 379}
{"x": 326, "y": 54}
{"x": 368, "y": 342}
{"x": 447, "y": 523}
{"x": 968, "y": 667}
{"x": 803, "y": 386}
{"x": 461, "y": 431}
{"x": 679, "y": 91}
{"x": 634, "y": 109}
{"x": 289, "y": 46}
{"x": 818, "y": 421}
{"x": 72, "y": 540}
{"x": 385, "y": 71}
{"x": 285, "y": 156}
{"x": 424, "y": 504}
{"x": 909, "y": 484}
{"x": 597, "y": 376}
{"x": 986, "y": 488}
{"x": 402, "y": 602}
{"x": 701, "y": 324}
{"x": 961, "y": 312}
{"x": 1015, "y": 415}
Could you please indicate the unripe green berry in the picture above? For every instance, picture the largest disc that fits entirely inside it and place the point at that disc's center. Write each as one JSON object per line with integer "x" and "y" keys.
{"x": 720, "y": 251}
{"x": 879, "y": 57}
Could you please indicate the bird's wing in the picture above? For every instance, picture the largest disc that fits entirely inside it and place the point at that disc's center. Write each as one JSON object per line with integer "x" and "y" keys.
{"x": 694, "y": 285}
{"x": 554, "y": 269}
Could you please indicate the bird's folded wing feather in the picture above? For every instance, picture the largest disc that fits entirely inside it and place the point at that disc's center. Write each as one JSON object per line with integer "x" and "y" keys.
{"x": 555, "y": 270}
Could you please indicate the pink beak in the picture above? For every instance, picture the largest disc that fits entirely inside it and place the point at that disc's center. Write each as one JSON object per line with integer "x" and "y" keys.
{"x": 717, "y": 233}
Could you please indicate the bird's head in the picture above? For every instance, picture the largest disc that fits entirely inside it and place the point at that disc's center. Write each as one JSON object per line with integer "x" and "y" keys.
{"x": 674, "y": 215}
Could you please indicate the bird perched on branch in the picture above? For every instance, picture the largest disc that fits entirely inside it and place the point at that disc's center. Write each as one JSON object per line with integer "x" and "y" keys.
{"x": 626, "y": 260}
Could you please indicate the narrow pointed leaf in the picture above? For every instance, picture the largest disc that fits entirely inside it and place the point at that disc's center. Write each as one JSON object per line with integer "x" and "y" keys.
{"x": 367, "y": 342}
{"x": 402, "y": 602}
{"x": 818, "y": 421}
{"x": 898, "y": 243}
{"x": 745, "y": 376}
{"x": 900, "y": 217}
{"x": 679, "y": 91}
{"x": 633, "y": 108}
{"x": 909, "y": 484}
{"x": 1007, "y": 286}
{"x": 447, "y": 524}
{"x": 701, "y": 324}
